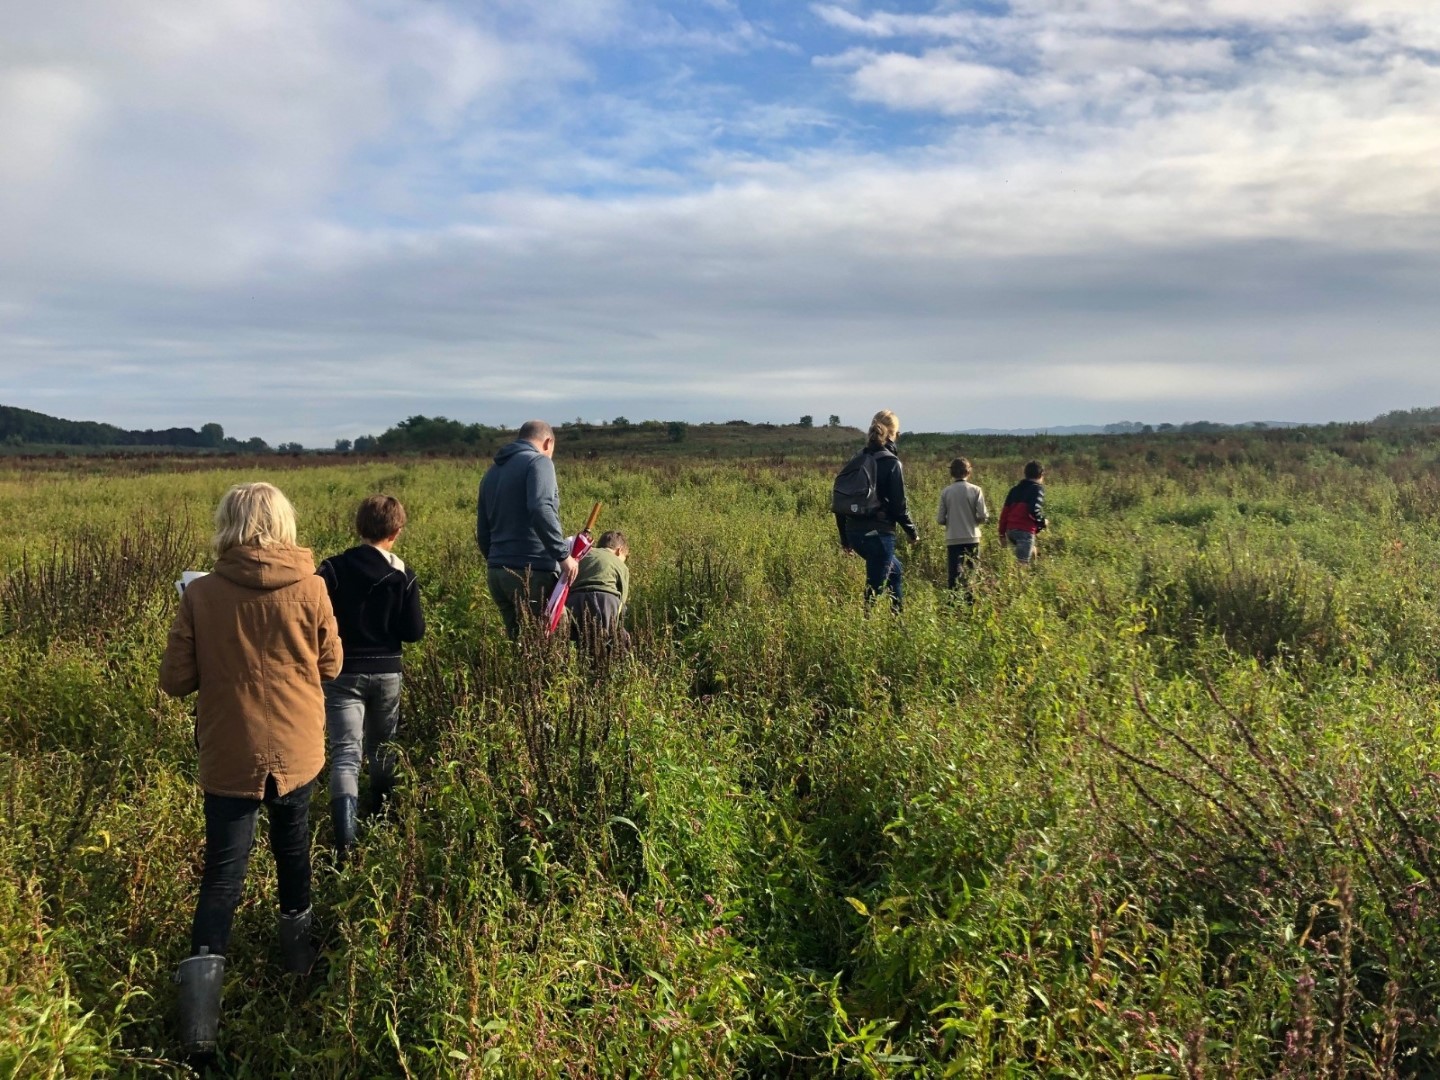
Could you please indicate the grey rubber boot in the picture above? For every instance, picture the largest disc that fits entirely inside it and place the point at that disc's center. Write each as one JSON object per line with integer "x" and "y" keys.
{"x": 297, "y": 951}
{"x": 199, "y": 979}
{"x": 342, "y": 820}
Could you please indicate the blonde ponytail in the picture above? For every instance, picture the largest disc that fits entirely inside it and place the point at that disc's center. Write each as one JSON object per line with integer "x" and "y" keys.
{"x": 884, "y": 428}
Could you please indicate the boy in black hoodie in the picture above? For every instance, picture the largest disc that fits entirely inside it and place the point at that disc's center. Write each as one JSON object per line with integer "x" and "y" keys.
{"x": 377, "y": 604}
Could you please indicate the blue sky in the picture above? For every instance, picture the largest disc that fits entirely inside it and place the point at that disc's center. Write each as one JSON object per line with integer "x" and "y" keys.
{"x": 310, "y": 220}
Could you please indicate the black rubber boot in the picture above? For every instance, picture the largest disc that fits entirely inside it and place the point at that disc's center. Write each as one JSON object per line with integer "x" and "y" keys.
{"x": 342, "y": 820}
{"x": 297, "y": 950}
{"x": 382, "y": 781}
{"x": 199, "y": 979}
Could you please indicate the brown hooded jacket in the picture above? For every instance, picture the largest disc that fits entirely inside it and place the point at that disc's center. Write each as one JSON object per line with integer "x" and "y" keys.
{"x": 256, "y": 638}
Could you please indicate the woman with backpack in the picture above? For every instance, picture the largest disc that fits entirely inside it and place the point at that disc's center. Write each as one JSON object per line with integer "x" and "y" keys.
{"x": 869, "y": 502}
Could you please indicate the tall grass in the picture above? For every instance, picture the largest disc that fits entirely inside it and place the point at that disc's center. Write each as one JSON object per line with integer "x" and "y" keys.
{"x": 1164, "y": 806}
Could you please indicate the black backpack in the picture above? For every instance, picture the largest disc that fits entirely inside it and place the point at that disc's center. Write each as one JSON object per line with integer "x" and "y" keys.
{"x": 856, "y": 493}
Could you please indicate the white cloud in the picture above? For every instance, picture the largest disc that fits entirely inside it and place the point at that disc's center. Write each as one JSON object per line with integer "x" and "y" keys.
{"x": 886, "y": 24}
{"x": 932, "y": 81}
{"x": 1118, "y": 130}
{"x": 1095, "y": 52}
{"x": 182, "y": 144}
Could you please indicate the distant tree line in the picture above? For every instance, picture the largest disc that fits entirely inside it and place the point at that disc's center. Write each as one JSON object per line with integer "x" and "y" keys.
{"x": 440, "y": 434}
{"x": 19, "y": 427}
{"x": 1409, "y": 418}
{"x": 429, "y": 433}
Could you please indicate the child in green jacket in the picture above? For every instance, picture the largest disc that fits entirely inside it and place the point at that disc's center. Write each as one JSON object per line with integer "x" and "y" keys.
{"x": 597, "y": 599}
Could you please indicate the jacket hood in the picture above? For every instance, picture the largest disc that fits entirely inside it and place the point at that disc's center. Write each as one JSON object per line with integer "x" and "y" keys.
{"x": 369, "y": 563}
{"x": 265, "y": 567}
{"x": 510, "y": 450}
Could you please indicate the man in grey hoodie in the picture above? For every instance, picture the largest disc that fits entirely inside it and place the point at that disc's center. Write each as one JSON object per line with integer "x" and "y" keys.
{"x": 517, "y": 525}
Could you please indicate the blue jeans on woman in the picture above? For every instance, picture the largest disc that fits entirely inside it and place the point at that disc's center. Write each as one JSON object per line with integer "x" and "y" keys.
{"x": 882, "y": 568}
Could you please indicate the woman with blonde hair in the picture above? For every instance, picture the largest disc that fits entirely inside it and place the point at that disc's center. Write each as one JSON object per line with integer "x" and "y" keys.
{"x": 256, "y": 638}
{"x": 869, "y": 502}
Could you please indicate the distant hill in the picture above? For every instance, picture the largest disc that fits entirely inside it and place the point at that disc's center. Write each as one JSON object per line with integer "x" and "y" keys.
{"x": 25, "y": 427}
{"x": 1134, "y": 427}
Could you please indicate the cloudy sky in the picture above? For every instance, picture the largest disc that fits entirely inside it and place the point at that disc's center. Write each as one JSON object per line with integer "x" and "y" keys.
{"x": 308, "y": 220}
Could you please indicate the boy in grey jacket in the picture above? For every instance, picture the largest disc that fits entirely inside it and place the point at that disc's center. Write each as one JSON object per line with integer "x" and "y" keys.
{"x": 962, "y": 512}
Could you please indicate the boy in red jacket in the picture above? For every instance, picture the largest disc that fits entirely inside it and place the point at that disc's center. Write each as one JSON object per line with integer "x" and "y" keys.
{"x": 1024, "y": 513}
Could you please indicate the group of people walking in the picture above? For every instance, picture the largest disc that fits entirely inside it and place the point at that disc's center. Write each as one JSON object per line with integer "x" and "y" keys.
{"x": 285, "y": 660}
{"x": 293, "y": 663}
{"x": 870, "y": 506}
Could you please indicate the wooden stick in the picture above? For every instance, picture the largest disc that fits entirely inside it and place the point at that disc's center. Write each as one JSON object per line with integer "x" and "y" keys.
{"x": 594, "y": 516}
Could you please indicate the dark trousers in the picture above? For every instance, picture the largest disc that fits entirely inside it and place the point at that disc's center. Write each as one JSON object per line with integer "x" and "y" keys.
{"x": 961, "y": 560}
{"x": 229, "y": 833}
{"x": 882, "y": 569}
{"x": 519, "y": 591}
{"x": 595, "y": 619}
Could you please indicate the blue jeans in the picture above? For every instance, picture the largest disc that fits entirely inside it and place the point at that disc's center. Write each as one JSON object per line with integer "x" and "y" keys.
{"x": 882, "y": 568}
{"x": 229, "y": 833}
{"x": 361, "y": 713}
{"x": 1023, "y": 543}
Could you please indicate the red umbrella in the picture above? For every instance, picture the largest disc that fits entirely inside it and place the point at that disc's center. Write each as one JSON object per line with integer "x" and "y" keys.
{"x": 555, "y": 609}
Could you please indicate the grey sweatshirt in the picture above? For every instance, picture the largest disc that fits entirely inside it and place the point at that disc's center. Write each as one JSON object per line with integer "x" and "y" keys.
{"x": 962, "y": 512}
{"x": 517, "y": 519}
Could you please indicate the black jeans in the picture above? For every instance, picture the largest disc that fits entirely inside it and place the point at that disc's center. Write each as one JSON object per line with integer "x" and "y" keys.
{"x": 962, "y": 559}
{"x": 229, "y": 833}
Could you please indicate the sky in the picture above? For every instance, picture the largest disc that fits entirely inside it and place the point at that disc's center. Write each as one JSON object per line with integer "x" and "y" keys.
{"x": 307, "y": 221}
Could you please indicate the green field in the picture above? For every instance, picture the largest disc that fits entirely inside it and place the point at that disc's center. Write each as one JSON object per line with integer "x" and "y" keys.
{"x": 1167, "y": 806}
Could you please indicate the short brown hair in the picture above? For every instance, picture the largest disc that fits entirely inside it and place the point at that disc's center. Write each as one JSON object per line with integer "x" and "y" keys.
{"x": 379, "y": 517}
{"x": 960, "y": 468}
{"x": 536, "y": 431}
{"x": 1034, "y": 470}
{"x": 615, "y": 541}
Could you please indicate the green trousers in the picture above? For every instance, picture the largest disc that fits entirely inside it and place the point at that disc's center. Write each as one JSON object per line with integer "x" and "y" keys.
{"x": 517, "y": 591}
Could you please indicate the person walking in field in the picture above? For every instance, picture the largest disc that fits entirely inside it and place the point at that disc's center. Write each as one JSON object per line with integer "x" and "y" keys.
{"x": 962, "y": 512}
{"x": 869, "y": 503}
{"x": 256, "y": 638}
{"x": 377, "y": 606}
{"x": 517, "y": 526}
{"x": 1023, "y": 515}
{"x": 602, "y": 587}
